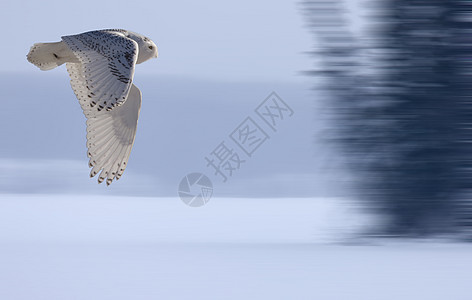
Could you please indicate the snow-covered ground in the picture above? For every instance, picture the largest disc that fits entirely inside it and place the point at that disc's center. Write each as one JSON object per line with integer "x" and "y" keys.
{"x": 109, "y": 247}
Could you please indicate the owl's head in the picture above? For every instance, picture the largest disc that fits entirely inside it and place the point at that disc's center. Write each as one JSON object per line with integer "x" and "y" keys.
{"x": 147, "y": 48}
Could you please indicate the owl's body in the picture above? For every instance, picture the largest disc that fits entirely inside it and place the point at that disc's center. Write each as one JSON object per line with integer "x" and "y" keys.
{"x": 101, "y": 66}
{"x": 47, "y": 56}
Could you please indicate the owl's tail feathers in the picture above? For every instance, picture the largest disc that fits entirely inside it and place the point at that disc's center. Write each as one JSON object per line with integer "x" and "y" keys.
{"x": 47, "y": 56}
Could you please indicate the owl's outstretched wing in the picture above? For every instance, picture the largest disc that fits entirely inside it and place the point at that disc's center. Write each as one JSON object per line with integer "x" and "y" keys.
{"x": 107, "y": 59}
{"x": 110, "y": 134}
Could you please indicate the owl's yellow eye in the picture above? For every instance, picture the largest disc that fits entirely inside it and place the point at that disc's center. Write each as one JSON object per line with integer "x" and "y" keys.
{"x": 150, "y": 47}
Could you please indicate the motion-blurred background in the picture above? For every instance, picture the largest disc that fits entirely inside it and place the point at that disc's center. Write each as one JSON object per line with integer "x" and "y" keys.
{"x": 377, "y": 146}
{"x": 400, "y": 95}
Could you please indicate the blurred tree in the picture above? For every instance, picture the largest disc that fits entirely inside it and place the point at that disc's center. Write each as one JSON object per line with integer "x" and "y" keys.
{"x": 401, "y": 100}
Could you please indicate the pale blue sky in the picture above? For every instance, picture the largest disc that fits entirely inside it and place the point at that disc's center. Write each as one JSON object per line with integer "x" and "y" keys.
{"x": 218, "y": 60}
{"x": 241, "y": 40}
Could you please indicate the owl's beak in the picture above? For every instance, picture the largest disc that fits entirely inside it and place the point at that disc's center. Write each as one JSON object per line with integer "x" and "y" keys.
{"x": 157, "y": 51}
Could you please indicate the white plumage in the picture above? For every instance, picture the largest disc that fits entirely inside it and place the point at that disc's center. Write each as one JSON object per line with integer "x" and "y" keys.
{"x": 101, "y": 67}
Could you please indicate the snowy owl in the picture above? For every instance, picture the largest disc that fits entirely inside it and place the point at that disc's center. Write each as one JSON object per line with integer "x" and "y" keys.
{"x": 101, "y": 67}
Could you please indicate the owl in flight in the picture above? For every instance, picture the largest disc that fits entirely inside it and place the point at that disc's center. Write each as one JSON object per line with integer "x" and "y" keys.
{"x": 101, "y": 67}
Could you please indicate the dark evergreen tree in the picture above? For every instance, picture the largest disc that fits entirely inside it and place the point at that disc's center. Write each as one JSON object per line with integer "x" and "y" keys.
{"x": 401, "y": 98}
